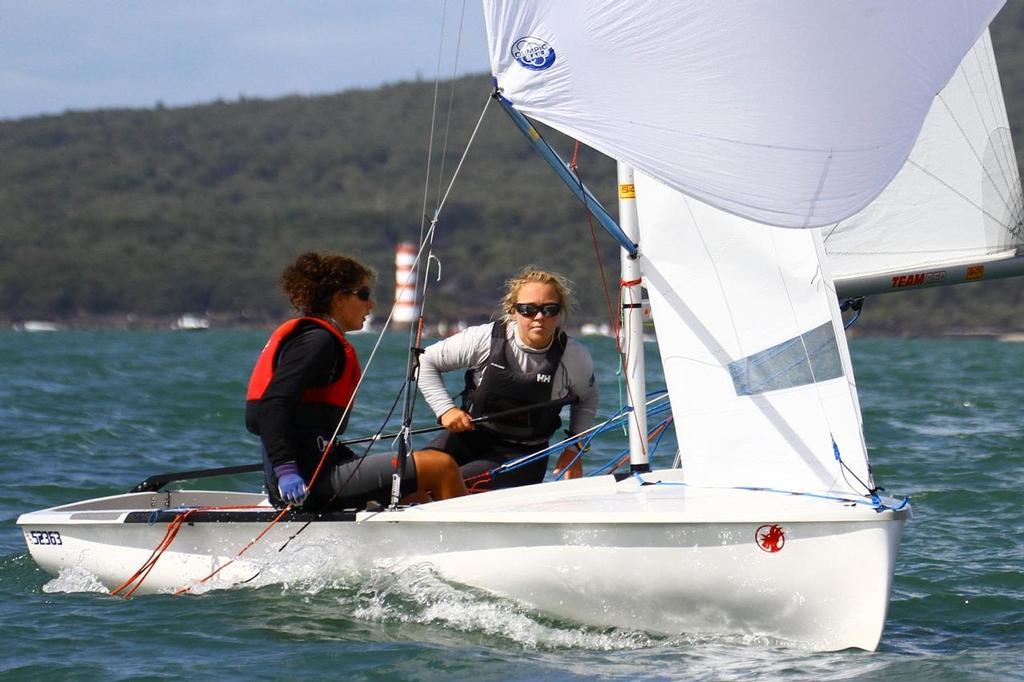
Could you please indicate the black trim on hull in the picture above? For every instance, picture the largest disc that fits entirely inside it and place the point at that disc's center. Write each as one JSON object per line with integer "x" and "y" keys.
{"x": 238, "y": 516}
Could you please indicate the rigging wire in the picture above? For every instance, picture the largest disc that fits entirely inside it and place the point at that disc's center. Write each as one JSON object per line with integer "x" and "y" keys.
{"x": 451, "y": 102}
{"x": 426, "y": 242}
{"x": 875, "y": 501}
{"x": 613, "y": 319}
{"x": 416, "y": 331}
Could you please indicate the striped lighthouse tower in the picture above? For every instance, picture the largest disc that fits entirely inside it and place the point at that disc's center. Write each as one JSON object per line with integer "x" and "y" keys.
{"x": 405, "y": 284}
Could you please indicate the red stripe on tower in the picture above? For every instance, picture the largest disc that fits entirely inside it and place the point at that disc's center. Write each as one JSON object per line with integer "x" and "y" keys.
{"x": 405, "y": 284}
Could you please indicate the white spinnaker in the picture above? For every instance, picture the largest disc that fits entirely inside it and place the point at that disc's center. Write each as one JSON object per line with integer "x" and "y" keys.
{"x": 958, "y": 197}
{"x": 793, "y": 113}
{"x": 724, "y": 291}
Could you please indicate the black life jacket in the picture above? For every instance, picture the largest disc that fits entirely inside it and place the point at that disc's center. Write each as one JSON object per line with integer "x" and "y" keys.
{"x": 504, "y": 386}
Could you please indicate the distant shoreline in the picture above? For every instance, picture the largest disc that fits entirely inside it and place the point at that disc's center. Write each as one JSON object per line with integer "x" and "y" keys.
{"x": 215, "y": 321}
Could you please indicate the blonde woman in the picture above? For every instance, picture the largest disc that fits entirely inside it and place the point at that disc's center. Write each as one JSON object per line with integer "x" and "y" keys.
{"x": 524, "y": 358}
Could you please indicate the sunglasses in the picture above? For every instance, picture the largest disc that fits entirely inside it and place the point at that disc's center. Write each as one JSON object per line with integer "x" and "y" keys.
{"x": 531, "y": 309}
{"x": 363, "y": 293}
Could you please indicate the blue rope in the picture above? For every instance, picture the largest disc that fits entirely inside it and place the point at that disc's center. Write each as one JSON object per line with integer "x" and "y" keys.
{"x": 657, "y": 441}
{"x": 875, "y": 503}
{"x": 873, "y": 492}
{"x": 612, "y": 423}
{"x": 609, "y": 424}
{"x": 608, "y": 465}
{"x": 622, "y": 453}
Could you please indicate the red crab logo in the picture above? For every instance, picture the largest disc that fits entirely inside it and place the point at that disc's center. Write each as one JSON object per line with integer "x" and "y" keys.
{"x": 770, "y": 537}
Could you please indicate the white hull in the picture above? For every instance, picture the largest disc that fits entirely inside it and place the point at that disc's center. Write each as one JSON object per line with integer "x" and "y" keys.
{"x": 659, "y": 558}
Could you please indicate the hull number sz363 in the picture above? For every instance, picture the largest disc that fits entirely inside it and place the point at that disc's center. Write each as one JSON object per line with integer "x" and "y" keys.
{"x": 43, "y": 537}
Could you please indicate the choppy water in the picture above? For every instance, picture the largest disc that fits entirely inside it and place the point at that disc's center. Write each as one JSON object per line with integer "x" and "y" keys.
{"x": 84, "y": 414}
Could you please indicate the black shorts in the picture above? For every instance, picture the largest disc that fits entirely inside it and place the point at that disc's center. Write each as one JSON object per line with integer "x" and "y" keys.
{"x": 478, "y": 452}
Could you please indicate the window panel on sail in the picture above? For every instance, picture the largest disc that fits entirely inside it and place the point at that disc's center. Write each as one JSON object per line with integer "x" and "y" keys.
{"x": 811, "y": 357}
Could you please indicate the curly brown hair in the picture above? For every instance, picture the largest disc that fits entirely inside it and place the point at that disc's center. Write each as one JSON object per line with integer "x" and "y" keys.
{"x": 313, "y": 279}
{"x": 530, "y": 274}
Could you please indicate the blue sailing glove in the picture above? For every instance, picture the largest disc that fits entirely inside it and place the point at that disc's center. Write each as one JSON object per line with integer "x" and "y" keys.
{"x": 290, "y": 484}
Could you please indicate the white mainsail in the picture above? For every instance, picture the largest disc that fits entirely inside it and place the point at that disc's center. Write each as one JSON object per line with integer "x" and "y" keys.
{"x": 794, "y": 114}
{"x": 754, "y": 358}
{"x": 956, "y": 203}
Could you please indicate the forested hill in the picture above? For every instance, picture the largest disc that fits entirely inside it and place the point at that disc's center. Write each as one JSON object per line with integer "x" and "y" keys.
{"x": 158, "y": 212}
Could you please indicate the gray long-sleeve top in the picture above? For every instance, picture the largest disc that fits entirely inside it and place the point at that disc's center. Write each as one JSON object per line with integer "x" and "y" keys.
{"x": 469, "y": 350}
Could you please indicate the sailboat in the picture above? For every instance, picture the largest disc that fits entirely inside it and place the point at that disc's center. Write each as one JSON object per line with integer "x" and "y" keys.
{"x": 746, "y": 152}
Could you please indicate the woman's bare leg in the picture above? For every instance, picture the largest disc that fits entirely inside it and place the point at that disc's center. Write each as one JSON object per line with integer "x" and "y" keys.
{"x": 437, "y": 476}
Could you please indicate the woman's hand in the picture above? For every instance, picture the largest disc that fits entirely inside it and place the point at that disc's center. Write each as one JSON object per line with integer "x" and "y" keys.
{"x": 456, "y": 420}
{"x": 292, "y": 489}
{"x": 290, "y": 485}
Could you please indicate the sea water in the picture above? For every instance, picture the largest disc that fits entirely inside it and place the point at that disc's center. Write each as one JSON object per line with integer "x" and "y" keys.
{"x": 91, "y": 413}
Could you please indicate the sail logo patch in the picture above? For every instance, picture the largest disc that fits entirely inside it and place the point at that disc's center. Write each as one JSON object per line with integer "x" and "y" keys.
{"x": 918, "y": 279}
{"x": 533, "y": 53}
{"x": 770, "y": 537}
{"x": 974, "y": 273}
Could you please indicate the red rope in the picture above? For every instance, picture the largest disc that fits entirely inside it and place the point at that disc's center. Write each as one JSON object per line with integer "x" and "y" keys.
{"x": 139, "y": 577}
{"x": 187, "y": 588}
{"x": 612, "y": 317}
{"x": 474, "y": 483}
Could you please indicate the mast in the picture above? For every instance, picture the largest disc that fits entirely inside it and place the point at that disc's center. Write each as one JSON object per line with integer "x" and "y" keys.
{"x": 627, "y": 235}
{"x": 631, "y": 334}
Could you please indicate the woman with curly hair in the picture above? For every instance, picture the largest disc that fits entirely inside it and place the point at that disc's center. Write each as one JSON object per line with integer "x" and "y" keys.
{"x": 522, "y": 359}
{"x": 304, "y": 382}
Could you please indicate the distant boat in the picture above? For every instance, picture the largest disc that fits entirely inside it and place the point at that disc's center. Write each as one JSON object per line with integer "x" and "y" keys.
{"x": 591, "y": 329}
{"x": 367, "y": 326}
{"x": 189, "y": 322}
{"x": 35, "y": 326}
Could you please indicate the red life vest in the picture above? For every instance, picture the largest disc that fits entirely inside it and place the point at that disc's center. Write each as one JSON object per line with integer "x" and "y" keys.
{"x": 338, "y": 393}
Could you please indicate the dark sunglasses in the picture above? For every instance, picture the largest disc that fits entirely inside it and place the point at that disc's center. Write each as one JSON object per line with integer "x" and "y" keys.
{"x": 363, "y": 293}
{"x": 531, "y": 309}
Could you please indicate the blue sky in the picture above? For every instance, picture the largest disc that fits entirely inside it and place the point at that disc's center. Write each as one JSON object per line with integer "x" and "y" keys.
{"x": 58, "y": 55}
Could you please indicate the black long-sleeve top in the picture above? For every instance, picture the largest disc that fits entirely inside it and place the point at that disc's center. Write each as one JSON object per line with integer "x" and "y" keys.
{"x": 310, "y": 357}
